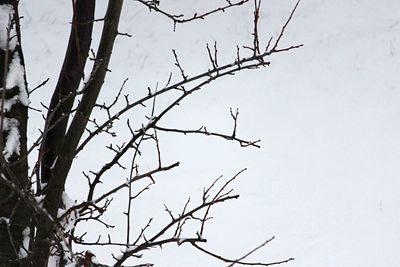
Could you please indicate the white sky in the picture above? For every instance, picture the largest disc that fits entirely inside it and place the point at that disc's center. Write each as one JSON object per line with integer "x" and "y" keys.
{"x": 325, "y": 181}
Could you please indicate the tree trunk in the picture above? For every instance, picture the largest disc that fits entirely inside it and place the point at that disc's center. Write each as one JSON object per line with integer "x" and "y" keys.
{"x": 65, "y": 155}
{"x": 14, "y": 213}
{"x": 70, "y": 76}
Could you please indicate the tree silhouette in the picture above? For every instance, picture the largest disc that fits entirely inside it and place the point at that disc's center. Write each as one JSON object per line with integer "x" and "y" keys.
{"x": 37, "y": 218}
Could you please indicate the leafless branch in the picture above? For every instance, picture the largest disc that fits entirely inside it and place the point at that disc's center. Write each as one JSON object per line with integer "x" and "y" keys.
{"x": 220, "y": 194}
{"x": 154, "y": 241}
{"x": 274, "y": 48}
{"x": 251, "y": 251}
{"x": 153, "y": 5}
{"x": 135, "y": 178}
{"x": 232, "y": 262}
{"x": 203, "y": 130}
{"x": 49, "y": 227}
{"x": 39, "y": 86}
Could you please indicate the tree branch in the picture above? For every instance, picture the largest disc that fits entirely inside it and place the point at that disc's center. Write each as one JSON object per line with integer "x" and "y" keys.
{"x": 153, "y": 5}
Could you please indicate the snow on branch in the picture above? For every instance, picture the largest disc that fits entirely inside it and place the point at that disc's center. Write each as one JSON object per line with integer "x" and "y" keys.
{"x": 8, "y": 40}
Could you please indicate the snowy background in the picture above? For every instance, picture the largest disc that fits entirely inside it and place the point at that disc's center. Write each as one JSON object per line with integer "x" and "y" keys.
{"x": 325, "y": 181}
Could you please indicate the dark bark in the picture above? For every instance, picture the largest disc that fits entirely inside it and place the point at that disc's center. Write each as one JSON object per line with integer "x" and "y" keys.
{"x": 66, "y": 153}
{"x": 68, "y": 82}
{"x": 15, "y": 168}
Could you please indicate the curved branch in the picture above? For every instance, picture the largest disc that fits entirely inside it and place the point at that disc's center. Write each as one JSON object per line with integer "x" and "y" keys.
{"x": 233, "y": 262}
{"x": 153, "y": 5}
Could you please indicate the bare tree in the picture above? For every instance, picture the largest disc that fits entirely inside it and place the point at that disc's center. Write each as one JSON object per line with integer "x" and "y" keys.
{"x": 38, "y": 221}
